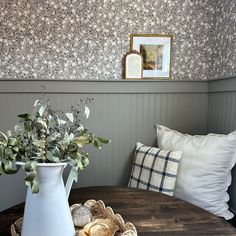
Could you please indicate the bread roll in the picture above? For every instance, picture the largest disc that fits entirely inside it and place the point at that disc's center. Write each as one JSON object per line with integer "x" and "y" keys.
{"x": 101, "y": 227}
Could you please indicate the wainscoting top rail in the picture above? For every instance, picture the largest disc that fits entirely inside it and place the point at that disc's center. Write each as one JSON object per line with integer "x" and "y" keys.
{"x": 117, "y": 86}
{"x": 223, "y": 85}
{"x": 102, "y": 87}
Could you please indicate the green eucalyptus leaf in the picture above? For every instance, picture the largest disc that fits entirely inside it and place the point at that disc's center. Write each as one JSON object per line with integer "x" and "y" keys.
{"x": 56, "y": 152}
{"x": 12, "y": 141}
{"x": 31, "y": 172}
{"x": 86, "y": 112}
{"x": 10, "y": 172}
{"x": 19, "y": 128}
{"x": 81, "y": 153}
{"x": 83, "y": 132}
{"x": 27, "y": 166}
{"x": 36, "y": 103}
{"x": 97, "y": 144}
{"x": 9, "y": 133}
{"x": 80, "y": 128}
{"x": 25, "y": 116}
{"x": 56, "y": 118}
{"x": 28, "y": 126}
{"x": 91, "y": 137}
{"x": 51, "y": 158}
{"x": 3, "y": 143}
{"x": 72, "y": 155}
{"x": 62, "y": 122}
{"x": 66, "y": 139}
{"x": 1, "y": 152}
{"x": 8, "y": 151}
{"x": 81, "y": 141}
{"x": 79, "y": 164}
{"x": 30, "y": 176}
{"x": 70, "y": 116}
{"x": 56, "y": 159}
{"x": 42, "y": 110}
{"x": 72, "y": 148}
{"x": 72, "y": 162}
{"x": 4, "y": 136}
{"x": 71, "y": 136}
{"x": 53, "y": 137}
{"x": 85, "y": 161}
{"x": 34, "y": 186}
{"x": 33, "y": 165}
{"x": 8, "y": 167}
{"x": 13, "y": 156}
{"x": 15, "y": 149}
{"x": 52, "y": 123}
{"x": 103, "y": 140}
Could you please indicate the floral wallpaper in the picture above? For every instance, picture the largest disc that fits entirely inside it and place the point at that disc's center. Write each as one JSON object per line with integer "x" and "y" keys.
{"x": 224, "y": 40}
{"x": 87, "y": 39}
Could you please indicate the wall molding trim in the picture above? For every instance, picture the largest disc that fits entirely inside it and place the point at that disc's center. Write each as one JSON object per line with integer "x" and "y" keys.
{"x": 222, "y": 85}
{"x": 117, "y": 86}
{"x": 102, "y": 87}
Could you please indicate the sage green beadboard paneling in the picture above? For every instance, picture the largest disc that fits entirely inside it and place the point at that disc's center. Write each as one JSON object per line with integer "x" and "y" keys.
{"x": 13, "y": 190}
{"x": 222, "y": 117}
{"x": 125, "y": 112}
{"x": 222, "y": 105}
{"x": 222, "y": 112}
{"x": 124, "y": 118}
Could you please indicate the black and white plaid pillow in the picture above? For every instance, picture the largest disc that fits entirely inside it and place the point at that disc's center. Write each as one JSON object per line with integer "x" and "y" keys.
{"x": 155, "y": 169}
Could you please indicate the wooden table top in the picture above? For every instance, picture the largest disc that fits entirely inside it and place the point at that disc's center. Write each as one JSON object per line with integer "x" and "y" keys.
{"x": 152, "y": 213}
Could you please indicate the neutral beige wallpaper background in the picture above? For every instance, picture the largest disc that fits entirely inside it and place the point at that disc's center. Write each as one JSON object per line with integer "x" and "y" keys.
{"x": 87, "y": 39}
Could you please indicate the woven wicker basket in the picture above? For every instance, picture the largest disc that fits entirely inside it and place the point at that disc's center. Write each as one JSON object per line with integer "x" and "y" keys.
{"x": 99, "y": 211}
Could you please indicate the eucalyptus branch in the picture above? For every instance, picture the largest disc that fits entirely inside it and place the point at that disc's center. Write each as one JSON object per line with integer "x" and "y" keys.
{"x": 48, "y": 136}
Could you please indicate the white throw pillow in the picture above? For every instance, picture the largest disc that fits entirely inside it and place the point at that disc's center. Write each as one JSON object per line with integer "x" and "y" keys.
{"x": 154, "y": 169}
{"x": 204, "y": 173}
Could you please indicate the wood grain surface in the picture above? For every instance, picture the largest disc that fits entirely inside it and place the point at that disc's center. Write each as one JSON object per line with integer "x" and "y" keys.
{"x": 152, "y": 213}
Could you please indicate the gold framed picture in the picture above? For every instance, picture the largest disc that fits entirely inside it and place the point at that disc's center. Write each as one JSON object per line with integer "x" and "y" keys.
{"x": 133, "y": 65}
{"x": 156, "y": 52}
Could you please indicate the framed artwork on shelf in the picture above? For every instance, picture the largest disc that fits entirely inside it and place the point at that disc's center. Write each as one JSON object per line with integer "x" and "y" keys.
{"x": 133, "y": 65}
{"x": 156, "y": 52}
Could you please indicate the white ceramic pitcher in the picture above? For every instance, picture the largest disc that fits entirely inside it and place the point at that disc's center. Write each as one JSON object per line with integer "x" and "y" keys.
{"x": 47, "y": 213}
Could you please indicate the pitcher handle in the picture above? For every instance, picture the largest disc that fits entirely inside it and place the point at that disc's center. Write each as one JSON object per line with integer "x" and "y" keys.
{"x": 71, "y": 178}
